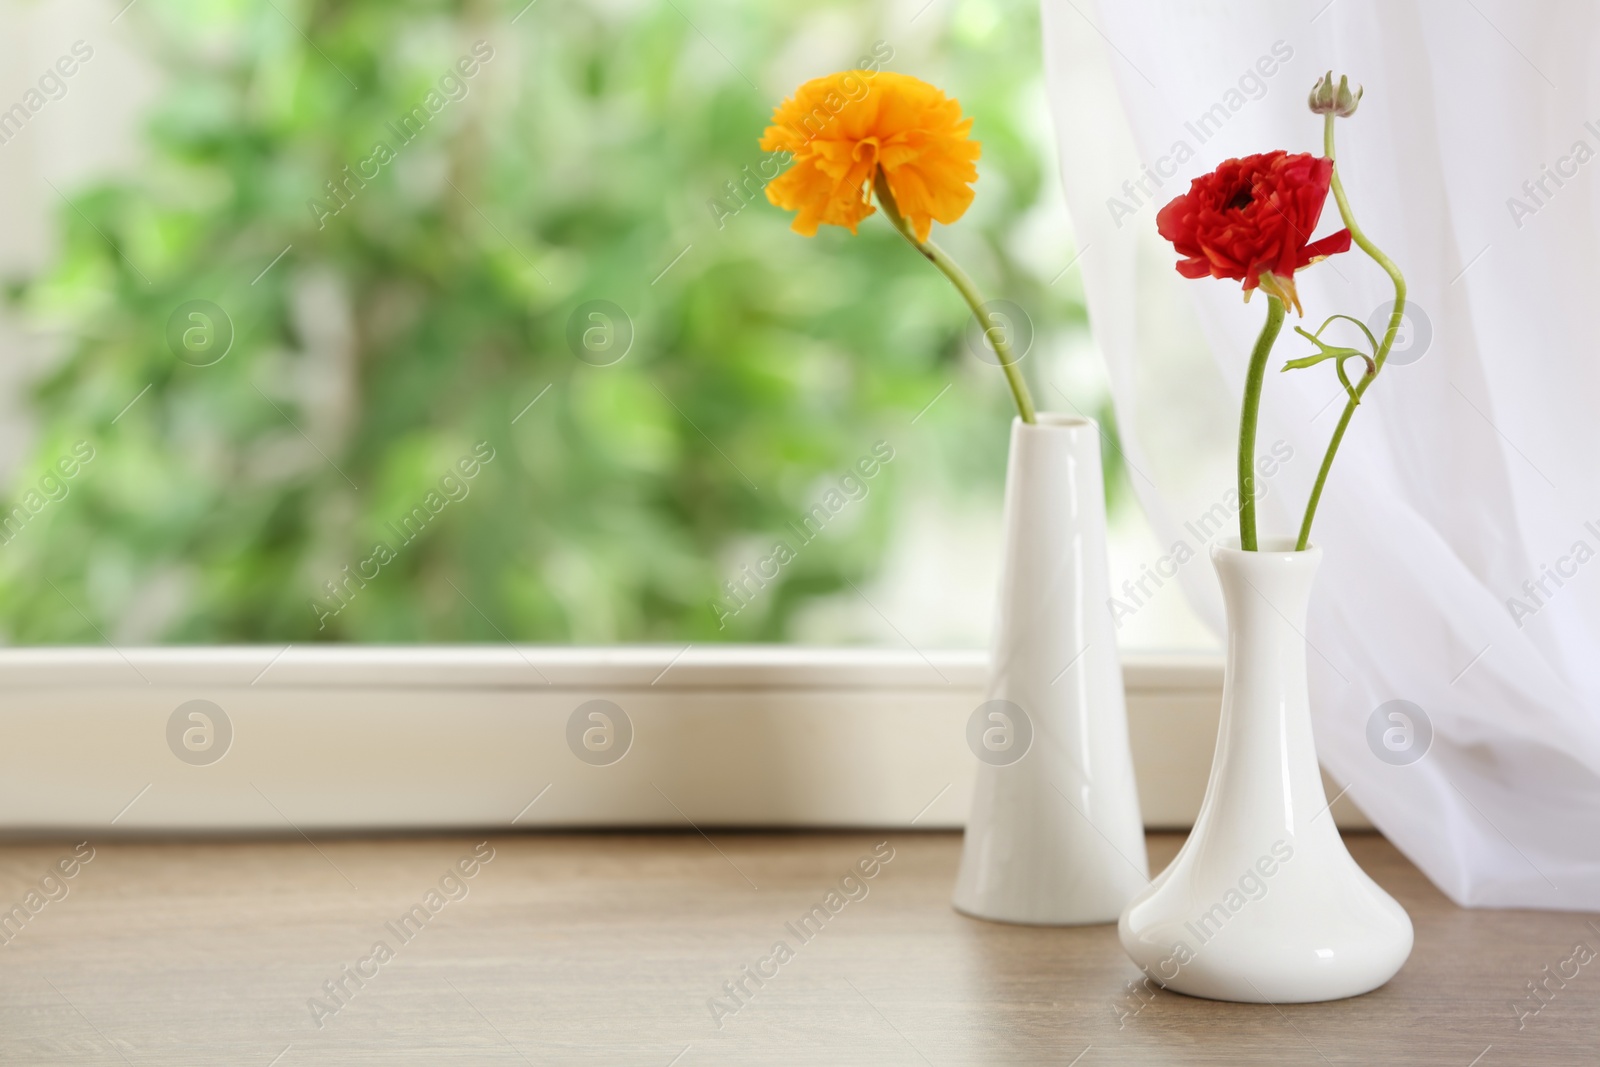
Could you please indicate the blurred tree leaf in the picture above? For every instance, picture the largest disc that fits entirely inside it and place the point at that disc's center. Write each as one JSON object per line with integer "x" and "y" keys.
{"x": 374, "y": 346}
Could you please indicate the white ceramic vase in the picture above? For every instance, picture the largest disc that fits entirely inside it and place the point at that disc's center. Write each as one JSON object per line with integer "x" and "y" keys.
{"x": 1263, "y": 903}
{"x": 1054, "y": 835}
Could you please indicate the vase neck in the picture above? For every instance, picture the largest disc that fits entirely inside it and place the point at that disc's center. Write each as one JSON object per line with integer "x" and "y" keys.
{"x": 1267, "y": 596}
{"x": 1266, "y": 773}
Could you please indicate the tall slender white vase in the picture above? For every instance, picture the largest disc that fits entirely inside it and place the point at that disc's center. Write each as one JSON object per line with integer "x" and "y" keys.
{"x": 1263, "y": 903}
{"x": 1055, "y": 835}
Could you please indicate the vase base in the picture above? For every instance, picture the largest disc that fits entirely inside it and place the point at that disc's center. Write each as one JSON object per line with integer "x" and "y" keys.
{"x": 1332, "y": 936}
{"x": 1250, "y": 996}
{"x": 1013, "y": 917}
{"x": 1243, "y": 989}
{"x": 1025, "y": 877}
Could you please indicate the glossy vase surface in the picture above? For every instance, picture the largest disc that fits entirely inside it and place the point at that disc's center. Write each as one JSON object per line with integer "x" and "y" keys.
{"x": 1263, "y": 903}
{"x": 1054, "y": 836}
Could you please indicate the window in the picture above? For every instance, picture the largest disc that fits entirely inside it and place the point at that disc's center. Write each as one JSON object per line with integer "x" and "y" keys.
{"x": 372, "y": 325}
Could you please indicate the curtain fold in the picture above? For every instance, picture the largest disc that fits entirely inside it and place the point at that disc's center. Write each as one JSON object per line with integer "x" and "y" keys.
{"x": 1461, "y": 523}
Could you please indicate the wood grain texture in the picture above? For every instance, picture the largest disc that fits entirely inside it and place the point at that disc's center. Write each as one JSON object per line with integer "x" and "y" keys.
{"x": 606, "y": 948}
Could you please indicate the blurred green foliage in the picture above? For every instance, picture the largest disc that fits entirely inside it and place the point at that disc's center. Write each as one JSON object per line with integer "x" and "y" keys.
{"x": 426, "y": 314}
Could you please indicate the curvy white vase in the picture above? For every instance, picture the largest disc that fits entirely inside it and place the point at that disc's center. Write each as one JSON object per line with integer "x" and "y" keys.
{"x": 1055, "y": 835}
{"x": 1263, "y": 903}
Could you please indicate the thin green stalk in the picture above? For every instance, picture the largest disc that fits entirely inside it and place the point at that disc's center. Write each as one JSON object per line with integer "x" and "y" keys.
{"x": 947, "y": 266}
{"x": 1395, "y": 319}
{"x": 1247, "y": 422}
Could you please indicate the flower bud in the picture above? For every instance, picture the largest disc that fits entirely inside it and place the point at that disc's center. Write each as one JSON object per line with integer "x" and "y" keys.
{"x": 1326, "y": 99}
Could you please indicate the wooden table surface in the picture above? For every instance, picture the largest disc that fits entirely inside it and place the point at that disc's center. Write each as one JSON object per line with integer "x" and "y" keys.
{"x": 609, "y": 949}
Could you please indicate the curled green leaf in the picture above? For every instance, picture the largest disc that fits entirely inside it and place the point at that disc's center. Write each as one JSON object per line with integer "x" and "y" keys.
{"x": 1327, "y": 352}
{"x": 1337, "y": 353}
{"x": 1371, "y": 340}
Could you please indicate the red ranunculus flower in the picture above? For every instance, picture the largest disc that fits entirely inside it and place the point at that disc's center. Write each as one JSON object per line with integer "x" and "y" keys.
{"x": 1251, "y": 220}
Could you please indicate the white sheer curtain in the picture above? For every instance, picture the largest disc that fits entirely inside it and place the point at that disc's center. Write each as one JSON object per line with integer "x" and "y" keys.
{"x": 1467, "y": 482}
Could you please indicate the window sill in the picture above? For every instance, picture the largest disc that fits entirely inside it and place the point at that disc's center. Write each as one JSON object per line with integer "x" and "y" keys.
{"x": 435, "y": 737}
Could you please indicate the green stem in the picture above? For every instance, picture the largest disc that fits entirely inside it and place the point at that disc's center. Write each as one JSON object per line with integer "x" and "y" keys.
{"x": 1395, "y": 319}
{"x": 1247, "y": 422}
{"x": 947, "y": 266}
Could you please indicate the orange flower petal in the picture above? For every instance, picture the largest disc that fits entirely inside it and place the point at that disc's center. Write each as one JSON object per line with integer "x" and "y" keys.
{"x": 843, "y": 127}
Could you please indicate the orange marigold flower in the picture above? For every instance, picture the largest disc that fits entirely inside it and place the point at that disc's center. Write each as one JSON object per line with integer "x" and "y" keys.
{"x": 843, "y": 128}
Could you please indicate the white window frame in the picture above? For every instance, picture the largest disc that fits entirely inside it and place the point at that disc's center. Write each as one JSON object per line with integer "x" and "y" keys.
{"x": 365, "y": 738}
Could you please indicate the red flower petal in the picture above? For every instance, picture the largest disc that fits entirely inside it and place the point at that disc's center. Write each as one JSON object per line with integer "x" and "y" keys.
{"x": 1330, "y": 245}
{"x": 1252, "y": 216}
